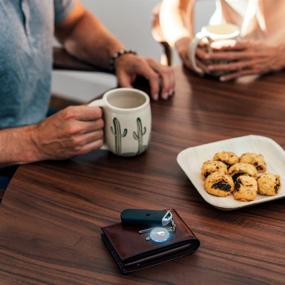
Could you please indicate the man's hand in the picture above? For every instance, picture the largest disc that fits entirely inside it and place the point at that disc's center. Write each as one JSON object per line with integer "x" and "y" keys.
{"x": 248, "y": 58}
{"x": 70, "y": 132}
{"x": 161, "y": 78}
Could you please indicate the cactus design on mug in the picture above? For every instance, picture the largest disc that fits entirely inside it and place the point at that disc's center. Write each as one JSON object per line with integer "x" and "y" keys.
{"x": 116, "y": 131}
{"x": 139, "y": 136}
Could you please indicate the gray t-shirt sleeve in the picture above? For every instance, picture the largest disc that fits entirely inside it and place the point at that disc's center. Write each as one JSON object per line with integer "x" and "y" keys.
{"x": 62, "y": 8}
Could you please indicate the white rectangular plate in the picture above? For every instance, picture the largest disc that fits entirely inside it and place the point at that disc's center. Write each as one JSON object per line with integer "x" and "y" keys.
{"x": 191, "y": 160}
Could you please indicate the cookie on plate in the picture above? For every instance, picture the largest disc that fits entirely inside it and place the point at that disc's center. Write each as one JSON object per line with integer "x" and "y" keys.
{"x": 239, "y": 169}
{"x": 219, "y": 184}
{"x": 245, "y": 188}
{"x": 211, "y": 166}
{"x": 268, "y": 184}
{"x": 227, "y": 157}
{"x": 255, "y": 159}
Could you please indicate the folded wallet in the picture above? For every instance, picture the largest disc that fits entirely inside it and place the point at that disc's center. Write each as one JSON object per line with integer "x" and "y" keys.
{"x": 132, "y": 251}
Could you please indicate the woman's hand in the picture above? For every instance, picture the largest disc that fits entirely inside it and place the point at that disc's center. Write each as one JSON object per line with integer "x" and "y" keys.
{"x": 182, "y": 47}
{"x": 248, "y": 58}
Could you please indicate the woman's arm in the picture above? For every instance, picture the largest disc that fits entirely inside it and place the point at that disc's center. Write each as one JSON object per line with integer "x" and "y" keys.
{"x": 176, "y": 19}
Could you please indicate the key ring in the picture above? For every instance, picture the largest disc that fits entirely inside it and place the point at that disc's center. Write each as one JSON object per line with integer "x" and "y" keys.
{"x": 167, "y": 218}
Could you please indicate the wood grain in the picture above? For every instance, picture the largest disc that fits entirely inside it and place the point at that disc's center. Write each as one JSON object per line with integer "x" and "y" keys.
{"x": 51, "y": 214}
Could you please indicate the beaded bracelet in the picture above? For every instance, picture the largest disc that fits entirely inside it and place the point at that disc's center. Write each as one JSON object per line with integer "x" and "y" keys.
{"x": 117, "y": 55}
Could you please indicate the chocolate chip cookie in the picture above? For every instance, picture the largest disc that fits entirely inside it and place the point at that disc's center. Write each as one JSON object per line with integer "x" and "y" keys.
{"x": 227, "y": 157}
{"x": 245, "y": 188}
{"x": 239, "y": 169}
{"x": 255, "y": 159}
{"x": 211, "y": 166}
{"x": 219, "y": 184}
{"x": 268, "y": 184}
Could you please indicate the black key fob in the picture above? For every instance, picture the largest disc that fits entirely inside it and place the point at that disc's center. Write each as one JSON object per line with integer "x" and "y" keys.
{"x": 146, "y": 218}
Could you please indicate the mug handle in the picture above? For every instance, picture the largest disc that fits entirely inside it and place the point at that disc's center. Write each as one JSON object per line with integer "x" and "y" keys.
{"x": 192, "y": 52}
{"x": 99, "y": 103}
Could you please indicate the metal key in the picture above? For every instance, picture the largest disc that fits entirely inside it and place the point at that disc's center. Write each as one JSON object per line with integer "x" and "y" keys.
{"x": 145, "y": 231}
{"x": 171, "y": 228}
{"x": 166, "y": 220}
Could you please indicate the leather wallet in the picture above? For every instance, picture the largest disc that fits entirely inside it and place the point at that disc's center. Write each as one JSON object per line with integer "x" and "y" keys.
{"x": 132, "y": 251}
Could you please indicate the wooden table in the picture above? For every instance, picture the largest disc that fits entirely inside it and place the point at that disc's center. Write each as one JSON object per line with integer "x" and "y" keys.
{"x": 51, "y": 215}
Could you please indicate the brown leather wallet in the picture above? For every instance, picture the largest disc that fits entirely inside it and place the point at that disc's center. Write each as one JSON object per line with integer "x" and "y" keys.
{"x": 131, "y": 251}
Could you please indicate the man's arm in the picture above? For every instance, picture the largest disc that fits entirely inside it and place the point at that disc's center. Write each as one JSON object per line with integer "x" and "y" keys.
{"x": 16, "y": 146}
{"x": 86, "y": 38}
{"x": 70, "y": 132}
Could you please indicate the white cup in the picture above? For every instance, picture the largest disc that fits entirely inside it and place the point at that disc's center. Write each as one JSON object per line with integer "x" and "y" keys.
{"x": 127, "y": 117}
{"x": 215, "y": 35}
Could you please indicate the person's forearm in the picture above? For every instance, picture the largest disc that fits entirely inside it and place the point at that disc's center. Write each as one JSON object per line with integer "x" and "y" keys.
{"x": 17, "y": 146}
{"x": 90, "y": 41}
{"x": 175, "y": 19}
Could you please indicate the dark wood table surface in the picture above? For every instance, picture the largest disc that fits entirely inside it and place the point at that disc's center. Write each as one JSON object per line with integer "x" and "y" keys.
{"x": 51, "y": 214}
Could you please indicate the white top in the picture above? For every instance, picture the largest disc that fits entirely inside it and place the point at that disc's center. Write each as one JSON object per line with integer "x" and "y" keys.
{"x": 257, "y": 19}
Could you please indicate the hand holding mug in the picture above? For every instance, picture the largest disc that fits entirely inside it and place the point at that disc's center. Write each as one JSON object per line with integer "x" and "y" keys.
{"x": 213, "y": 36}
{"x": 73, "y": 131}
{"x": 182, "y": 47}
{"x": 80, "y": 129}
{"x": 247, "y": 58}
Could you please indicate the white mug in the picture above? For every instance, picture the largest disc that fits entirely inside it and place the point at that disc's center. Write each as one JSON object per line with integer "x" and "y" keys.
{"x": 215, "y": 35}
{"x": 127, "y": 117}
